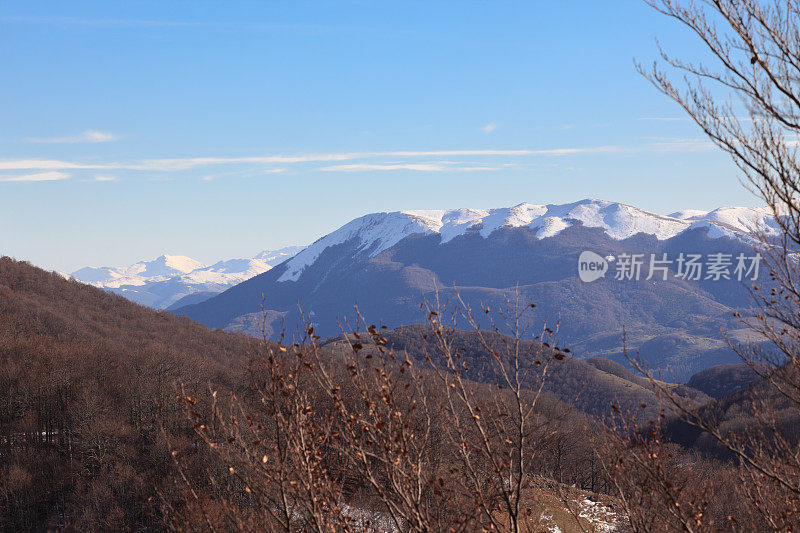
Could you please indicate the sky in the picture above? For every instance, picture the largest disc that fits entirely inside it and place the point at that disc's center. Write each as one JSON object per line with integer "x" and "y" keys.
{"x": 220, "y": 129}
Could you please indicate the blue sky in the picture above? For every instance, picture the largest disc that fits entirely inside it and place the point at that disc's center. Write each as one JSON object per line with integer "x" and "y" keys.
{"x": 219, "y": 129}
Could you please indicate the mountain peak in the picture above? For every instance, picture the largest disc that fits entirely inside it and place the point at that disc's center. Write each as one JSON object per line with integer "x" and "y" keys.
{"x": 180, "y": 263}
{"x": 166, "y": 266}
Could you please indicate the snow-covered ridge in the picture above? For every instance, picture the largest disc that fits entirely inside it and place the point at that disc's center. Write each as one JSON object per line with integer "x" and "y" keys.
{"x": 159, "y": 269}
{"x": 167, "y": 267}
{"x": 184, "y": 275}
{"x": 727, "y": 220}
{"x": 379, "y": 231}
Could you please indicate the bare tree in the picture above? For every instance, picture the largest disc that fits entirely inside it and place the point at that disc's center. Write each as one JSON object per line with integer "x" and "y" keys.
{"x": 497, "y": 437}
{"x": 746, "y": 98}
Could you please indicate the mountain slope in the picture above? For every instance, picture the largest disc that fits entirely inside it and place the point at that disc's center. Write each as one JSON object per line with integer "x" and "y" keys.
{"x": 388, "y": 262}
{"x": 88, "y": 384}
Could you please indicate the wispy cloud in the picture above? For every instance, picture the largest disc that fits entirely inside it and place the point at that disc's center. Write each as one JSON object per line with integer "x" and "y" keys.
{"x": 39, "y": 176}
{"x": 664, "y": 119}
{"x": 420, "y": 167}
{"x": 43, "y": 164}
{"x": 176, "y": 164}
{"x": 586, "y": 150}
{"x": 88, "y": 136}
{"x": 104, "y": 178}
{"x": 681, "y": 145}
{"x": 450, "y": 153}
{"x": 489, "y": 128}
{"x": 463, "y": 160}
{"x": 212, "y": 177}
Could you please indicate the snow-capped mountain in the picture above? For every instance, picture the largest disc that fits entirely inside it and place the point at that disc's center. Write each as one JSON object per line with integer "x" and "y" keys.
{"x": 167, "y": 279}
{"x": 386, "y": 263}
{"x": 159, "y": 269}
{"x": 380, "y": 231}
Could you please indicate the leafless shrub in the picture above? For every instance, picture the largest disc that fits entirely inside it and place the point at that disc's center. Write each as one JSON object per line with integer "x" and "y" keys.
{"x": 351, "y": 435}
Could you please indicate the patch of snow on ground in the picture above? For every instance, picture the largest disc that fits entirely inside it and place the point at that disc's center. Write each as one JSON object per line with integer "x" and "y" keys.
{"x": 598, "y": 515}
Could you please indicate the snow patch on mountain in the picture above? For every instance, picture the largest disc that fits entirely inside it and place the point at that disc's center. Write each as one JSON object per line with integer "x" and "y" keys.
{"x": 377, "y": 232}
{"x": 275, "y": 257}
{"x": 686, "y": 214}
{"x": 741, "y": 219}
{"x": 551, "y": 226}
{"x": 169, "y": 265}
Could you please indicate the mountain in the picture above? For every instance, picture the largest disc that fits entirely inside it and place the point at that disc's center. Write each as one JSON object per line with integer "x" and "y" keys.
{"x": 170, "y": 279}
{"x": 723, "y": 380}
{"x": 591, "y": 386}
{"x": 388, "y": 262}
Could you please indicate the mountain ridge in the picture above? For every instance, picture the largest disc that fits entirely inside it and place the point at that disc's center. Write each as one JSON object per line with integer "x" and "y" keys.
{"x": 167, "y": 279}
{"x": 380, "y": 231}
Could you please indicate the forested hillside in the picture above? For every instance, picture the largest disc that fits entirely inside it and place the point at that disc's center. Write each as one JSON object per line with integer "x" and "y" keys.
{"x": 594, "y": 387}
{"x": 87, "y": 379}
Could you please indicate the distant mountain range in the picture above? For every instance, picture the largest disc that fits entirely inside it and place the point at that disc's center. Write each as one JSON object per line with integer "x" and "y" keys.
{"x": 171, "y": 279}
{"x": 388, "y": 262}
